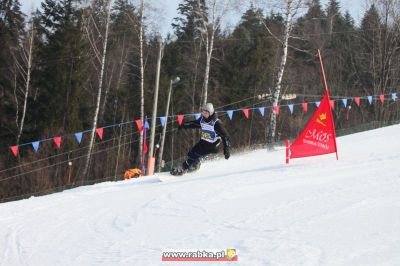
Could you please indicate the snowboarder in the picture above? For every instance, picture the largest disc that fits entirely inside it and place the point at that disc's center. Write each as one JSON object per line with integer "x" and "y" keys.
{"x": 212, "y": 134}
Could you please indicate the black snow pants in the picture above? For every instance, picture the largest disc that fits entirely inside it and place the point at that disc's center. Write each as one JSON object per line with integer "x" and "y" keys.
{"x": 200, "y": 150}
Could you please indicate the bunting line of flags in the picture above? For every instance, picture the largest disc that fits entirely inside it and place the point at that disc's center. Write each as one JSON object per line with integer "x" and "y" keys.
{"x": 246, "y": 112}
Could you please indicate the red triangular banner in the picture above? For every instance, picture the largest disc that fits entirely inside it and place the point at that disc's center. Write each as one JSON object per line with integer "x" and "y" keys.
{"x": 382, "y": 98}
{"x": 276, "y": 109}
{"x": 246, "y": 112}
{"x": 57, "y": 141}
{"x": 139, "y": 125}
{"x": 99, "y": 132}
{"x": 180, "y": 119}
{"x": 304, "y": 107}
{"x": 14, "y": 150}
{"x": 332, "y": 103}
{"x": 318, "y": 137}
{"x": 145, "y": 148}
{"x": 357, "y": 100}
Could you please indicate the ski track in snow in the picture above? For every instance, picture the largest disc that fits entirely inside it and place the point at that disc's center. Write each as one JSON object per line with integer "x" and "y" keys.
{"x": 314, "y": 211}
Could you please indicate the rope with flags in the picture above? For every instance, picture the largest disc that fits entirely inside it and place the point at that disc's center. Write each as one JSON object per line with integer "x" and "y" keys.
{"x": 57, "y": 140}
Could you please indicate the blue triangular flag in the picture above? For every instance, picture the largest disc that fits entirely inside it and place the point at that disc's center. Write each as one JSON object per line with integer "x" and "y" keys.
{"x": 163, "y": 119}
{"x": 78, "y": 137}
{"x": 370, "y": 99}
{"x": 146, "y": 125}
{"x": 262, "y": 110}
{"x": 394, "y": 96}
{"x": 344, "y": 102}
{"x": 230, "y": 114}
{"x": 197, "y": 116}
{"x": 36, "y": 145}
{"x": 317, "y": 103}
{"x": 291, "y": 108}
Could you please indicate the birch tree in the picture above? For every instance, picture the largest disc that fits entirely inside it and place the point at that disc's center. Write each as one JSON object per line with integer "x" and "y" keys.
{"x": 138, "y": 23}
{"x": 290, "y": 9}
{"x": 141, "y": 39}
{"x": 23, "y": 62}
{"x": 100, "y": 57}
{"x": 211, "y": 13}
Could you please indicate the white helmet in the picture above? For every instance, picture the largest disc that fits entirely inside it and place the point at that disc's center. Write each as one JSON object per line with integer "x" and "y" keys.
{"x": 209, "y": 108}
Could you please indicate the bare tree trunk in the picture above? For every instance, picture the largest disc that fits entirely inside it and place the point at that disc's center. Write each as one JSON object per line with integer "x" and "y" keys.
{"x": 290, "y": 9}
{"x": 99, "y": 93}
{"x": 141, "y": 77}
{"x": 16, "y": 67}
{"x": 382, "y": 46}
{"x": 104, "y": 105}
{"x": 118, "y": 152}
{"x": 209, "y": 50}
{"x": 122, "y": 62}
{"x": 252, "y": 117}
{"x": 197, "y": 55}
{"x": 209, "y": 29}
{"x": 390, "y": 40}
{"x": 26, "y": 74}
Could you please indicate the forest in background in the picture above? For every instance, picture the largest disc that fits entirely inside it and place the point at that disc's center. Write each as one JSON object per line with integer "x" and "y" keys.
{"x": 74, "y": 66}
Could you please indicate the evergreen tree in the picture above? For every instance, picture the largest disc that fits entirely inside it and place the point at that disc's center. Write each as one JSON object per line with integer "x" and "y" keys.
{"x": 188, "y": 25}
{"x": 340, "y": 48}
{"x": 61, "y": 85}
{"x": 369, "y": 47}
{"x": 315, "y": 10}
{"x": 188, "y": 51}
{"x": 311, "y": 26}
{"x": 246, "y": 70}
{"x": 248, "y": 62}
{"x": 11, "y": 32}
{"x": 311, "y": 30}
{"x": 334, "y": 16}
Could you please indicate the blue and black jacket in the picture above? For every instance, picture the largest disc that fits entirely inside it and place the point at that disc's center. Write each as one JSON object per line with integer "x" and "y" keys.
{"x": 212, "y": 132}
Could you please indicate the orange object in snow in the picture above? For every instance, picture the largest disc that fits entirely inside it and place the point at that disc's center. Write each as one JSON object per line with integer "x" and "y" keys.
{"x": 132, "y": 173}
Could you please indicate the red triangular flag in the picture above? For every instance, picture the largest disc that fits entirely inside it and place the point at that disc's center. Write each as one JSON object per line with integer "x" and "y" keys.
{"x": 57, "y": 141}
{"x": 318, "y": 137}
{"x": 14, "y": 150}
{"x": 382, "y": 97}
{"x": 180, "y": 119}
{"x": 139, "y": 125}
{"x": 357, "y": 100}
{"x": 332, "y": 103}
{"x": 99, "y": 132}
{"x": 246, "y": 112}
{"x": 276, "y": 109}
{"x": 305, "y": 107}
{"x": 145, "y": 148}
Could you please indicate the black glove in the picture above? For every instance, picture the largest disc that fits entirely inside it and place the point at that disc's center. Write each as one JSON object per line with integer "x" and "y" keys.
{"x": 227, "y": 153}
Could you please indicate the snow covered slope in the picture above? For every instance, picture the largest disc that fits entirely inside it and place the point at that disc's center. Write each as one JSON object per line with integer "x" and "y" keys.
{"x": 315, "y": 211}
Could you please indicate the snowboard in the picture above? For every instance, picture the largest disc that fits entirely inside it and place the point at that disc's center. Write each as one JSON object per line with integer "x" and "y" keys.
{"x": 163, "y": 177}
{"x": 174, "y": 171}
{"x": 166, "y": 177}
